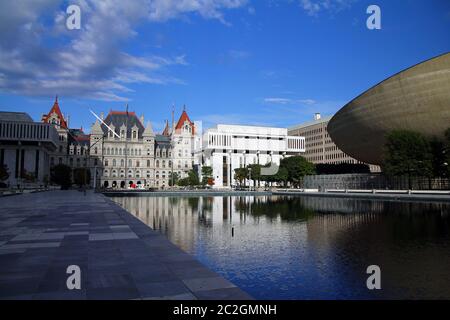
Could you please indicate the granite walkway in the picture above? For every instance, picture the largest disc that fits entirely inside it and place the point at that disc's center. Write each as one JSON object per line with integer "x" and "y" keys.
{"x": 41, "y": 234}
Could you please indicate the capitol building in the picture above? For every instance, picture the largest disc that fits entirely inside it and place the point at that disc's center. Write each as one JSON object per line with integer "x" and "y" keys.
{"x": 121, "y": 151}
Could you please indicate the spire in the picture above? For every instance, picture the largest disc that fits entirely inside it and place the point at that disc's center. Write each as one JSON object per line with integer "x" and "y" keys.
{"x": 173, "y": 118}
{"x": 148, "y": 132}
{"x": 96, "y": 128}
{"x": 166, "y": 129}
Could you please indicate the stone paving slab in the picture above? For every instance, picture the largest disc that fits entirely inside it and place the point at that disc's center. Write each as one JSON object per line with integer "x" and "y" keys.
{"x": 41, "y": 234}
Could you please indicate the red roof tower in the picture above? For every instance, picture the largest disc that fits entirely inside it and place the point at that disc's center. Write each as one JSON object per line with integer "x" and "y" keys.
{"x": 55, "y": 109}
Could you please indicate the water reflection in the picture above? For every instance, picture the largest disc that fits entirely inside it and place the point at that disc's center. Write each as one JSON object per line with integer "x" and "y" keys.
{"x": 309, "y": 247}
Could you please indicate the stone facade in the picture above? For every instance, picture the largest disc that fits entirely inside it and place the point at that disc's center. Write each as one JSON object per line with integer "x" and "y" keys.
{"x": 129, "y": 153}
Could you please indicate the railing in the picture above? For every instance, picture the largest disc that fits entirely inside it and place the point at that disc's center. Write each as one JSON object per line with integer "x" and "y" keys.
{"x": 374, "y": 182}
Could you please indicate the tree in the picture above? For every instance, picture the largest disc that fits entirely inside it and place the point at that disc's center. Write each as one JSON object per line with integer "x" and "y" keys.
{"x": 407, "y": 153}
{"x": 439, "y": 158}
{"x": 254, "y": 173}
{"x": 207, "y": 173}
{"x": 61, "y": 175}
{"x": 297, "y": 167}
{"x": 45, "y": 180}
{"x": 281, "y": 176}
{"x": 183, "y": 182}
{"x": 28, "y": 176}
{"x": 81, "y": 176}
{"x": 240, "y": 174}
{"x": 447, "y": 151}
{"x": 193, "y": 179}
{"x": 4, "y": 172}
{"x": 175, "y": 179}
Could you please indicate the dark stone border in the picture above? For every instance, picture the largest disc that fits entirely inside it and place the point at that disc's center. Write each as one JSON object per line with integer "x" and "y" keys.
{"x": 371, "y": 196}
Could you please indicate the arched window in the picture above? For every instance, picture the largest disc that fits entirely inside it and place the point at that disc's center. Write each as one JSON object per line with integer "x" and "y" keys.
{"x": 114, "y": 162}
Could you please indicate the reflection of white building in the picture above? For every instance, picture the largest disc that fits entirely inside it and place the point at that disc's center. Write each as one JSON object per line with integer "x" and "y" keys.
{"x": 228, "y": 147}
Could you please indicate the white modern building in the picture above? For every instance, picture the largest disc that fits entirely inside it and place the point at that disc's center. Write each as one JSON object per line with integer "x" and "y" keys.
{"x": 25, "y": 148}
{"x": 228, "y": 147}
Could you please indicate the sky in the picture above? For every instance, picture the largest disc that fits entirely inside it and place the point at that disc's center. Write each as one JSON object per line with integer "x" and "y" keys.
{"x": 254, "y": 62}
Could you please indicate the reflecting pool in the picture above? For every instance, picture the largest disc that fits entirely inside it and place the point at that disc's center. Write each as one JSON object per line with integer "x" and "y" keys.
{"x": 281, "y": 247}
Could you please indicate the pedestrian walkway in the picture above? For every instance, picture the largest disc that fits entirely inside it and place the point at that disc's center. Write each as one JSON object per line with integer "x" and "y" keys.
{"x": 41, "y": 234}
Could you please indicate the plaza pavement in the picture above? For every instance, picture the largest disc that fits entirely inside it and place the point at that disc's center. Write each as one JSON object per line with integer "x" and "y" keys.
{"x": 120, "y": 257}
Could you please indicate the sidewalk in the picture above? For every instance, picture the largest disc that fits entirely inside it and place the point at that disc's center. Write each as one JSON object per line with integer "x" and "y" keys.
{"x": 120, "y": 257}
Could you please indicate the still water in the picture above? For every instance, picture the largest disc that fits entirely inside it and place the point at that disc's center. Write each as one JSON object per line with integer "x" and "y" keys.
{"x": 309, "y": 247}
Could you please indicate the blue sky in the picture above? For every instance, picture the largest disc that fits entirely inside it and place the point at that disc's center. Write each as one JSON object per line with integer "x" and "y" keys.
{"x": 262, "y": 62}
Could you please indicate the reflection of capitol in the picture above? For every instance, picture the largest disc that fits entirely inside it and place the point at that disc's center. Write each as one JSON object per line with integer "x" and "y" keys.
{"x": 181, "y": 218}
{"x": 178, "y": 218}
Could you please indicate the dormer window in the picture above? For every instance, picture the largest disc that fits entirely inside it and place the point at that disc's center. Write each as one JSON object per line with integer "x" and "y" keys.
{"x": 134, "y": 134}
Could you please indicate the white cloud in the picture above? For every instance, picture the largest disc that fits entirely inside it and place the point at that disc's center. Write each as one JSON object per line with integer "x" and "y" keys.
{"x": 313, "y": 7}
{"x": 39, "y": 58}
{"x": 285, "y": 101}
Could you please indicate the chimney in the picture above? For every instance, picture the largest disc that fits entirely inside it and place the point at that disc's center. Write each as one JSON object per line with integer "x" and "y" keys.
{"x": 101, "y": 115}
{"x": 67, "y": 121}
{"x": 142, "y": 119}
{"x": 316, "y": 116}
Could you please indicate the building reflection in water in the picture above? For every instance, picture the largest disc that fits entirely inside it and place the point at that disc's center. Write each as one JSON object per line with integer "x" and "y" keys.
{"x": 309, "y": 247}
